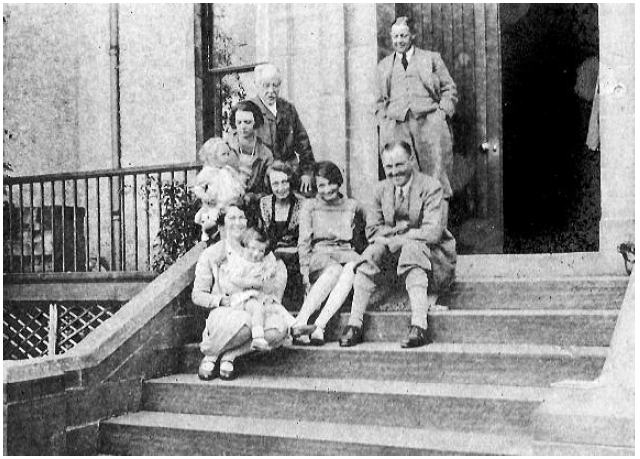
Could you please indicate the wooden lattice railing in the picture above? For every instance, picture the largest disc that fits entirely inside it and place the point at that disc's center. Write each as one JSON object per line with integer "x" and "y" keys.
{"x": 42, "y": 329}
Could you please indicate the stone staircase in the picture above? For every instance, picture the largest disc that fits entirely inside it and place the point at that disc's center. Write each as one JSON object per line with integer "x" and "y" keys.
{"x": 496, "y": 353}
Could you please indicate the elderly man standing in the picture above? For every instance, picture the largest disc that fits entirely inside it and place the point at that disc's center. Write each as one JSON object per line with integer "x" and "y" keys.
{"x": 283, "y": 131}
{"x": 406, "y": 226}
{"x": 416, "y": 96}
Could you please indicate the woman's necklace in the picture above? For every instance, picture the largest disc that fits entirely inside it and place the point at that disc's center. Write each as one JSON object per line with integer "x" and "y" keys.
{"x": 253, "y": 150}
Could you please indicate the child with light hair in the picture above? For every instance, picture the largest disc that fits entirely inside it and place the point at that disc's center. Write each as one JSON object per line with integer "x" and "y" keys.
{"x": 249, "y": 278}
{"x": 221, "y": 182}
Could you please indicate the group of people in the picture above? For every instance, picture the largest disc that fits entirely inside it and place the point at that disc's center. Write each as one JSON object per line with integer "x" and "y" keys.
{"x": 292, "y": 224}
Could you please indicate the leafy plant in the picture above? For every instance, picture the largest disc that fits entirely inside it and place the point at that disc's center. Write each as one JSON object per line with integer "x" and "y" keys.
{"x": 178, "y": 231}
{"x": 232, "y": 89}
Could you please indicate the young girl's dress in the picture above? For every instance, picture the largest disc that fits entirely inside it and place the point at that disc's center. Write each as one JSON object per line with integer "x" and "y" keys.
{"x": 239, "y": 268}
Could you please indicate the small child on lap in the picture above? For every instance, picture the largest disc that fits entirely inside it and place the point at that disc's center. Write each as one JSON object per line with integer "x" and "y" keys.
{"x": 250, "y": 276}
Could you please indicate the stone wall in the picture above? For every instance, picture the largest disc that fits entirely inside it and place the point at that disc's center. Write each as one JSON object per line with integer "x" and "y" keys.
{"x": 53, "y": 406}
{"x": 157, "y": 99}
{"x": 57, "y": 86}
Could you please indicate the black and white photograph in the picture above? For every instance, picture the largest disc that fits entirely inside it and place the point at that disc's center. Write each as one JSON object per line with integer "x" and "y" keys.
{"x": 319, "y": 229}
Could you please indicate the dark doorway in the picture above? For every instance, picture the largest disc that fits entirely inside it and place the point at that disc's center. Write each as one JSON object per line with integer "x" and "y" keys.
{"x": 551, "y": 179}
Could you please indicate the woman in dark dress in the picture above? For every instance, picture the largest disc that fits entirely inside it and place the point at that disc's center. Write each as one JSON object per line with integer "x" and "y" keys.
{"x": 280, "y": 216}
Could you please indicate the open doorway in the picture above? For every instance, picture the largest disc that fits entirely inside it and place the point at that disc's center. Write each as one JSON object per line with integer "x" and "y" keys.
{"x": 551, "y": 178}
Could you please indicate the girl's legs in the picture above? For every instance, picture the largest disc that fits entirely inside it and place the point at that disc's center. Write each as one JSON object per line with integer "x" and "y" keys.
{"x": 295, "y": 329}
{"x": 336, "y": 299}
{"x": 319, "y": 292}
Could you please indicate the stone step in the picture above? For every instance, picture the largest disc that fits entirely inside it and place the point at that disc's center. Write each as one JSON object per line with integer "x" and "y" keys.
{"x": 156, "y": 433}
{"x": 522, "y": 365}
{"x": 504, "y": 410}
{"x": 517, "y": 293}
{"x": 554, "y": 327}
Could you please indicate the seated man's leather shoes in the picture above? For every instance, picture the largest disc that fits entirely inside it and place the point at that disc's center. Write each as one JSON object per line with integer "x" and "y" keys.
{"x": 351, "y": 336}
{"x": 417, "y": 337}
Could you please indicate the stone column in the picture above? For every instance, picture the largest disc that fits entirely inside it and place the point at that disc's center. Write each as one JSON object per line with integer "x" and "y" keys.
{"x": 617, "y": 116}
{"x": 362, "y": 52}
{"x": 328, "y": 66}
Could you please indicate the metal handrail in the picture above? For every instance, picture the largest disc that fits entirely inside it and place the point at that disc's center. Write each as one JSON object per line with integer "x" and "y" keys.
{"x": 100, "y": 173}
{"x": 88, "y": 221}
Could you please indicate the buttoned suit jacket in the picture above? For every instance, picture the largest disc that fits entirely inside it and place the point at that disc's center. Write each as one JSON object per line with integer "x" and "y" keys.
{"x": 434, "y": 76}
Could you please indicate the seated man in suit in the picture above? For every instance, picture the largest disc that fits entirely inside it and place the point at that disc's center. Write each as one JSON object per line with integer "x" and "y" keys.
{"x": 405, "y": 226}
{"x": 282, "y": 130}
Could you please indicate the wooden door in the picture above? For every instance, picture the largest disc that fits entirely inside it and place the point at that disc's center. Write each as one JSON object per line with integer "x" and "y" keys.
{"x": 467, "y": 37}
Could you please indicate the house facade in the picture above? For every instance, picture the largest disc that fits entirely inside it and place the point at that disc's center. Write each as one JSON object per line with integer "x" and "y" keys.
{"x": 58, "y": 100}
{"x": 102, "y": 87}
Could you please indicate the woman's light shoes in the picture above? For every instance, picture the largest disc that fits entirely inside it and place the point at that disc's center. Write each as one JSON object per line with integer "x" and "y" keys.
{"x": 317, "y": 337}
{"x": 301, "y": 330}
{"x": 260, "y": 344}
{"x": 207, "y": 368}
{"x": 300, "y": 334}
{"x": 302, "y": 340}
{"x": 227, "y": 371}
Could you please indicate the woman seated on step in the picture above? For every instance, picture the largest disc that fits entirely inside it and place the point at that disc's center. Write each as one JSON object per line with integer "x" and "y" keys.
{"x": 280, "y": 217}
{"x": 228, "y": 330}
{"x": 332, "y": 235}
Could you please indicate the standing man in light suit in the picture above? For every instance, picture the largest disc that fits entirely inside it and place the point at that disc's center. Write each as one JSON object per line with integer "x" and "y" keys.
{"x": 416, "y": 98}
{"x": 282, "y": 130}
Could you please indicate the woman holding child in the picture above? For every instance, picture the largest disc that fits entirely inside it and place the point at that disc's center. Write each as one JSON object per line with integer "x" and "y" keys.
{"x": 332, "y": 235}
{"x": 246, "y": 314}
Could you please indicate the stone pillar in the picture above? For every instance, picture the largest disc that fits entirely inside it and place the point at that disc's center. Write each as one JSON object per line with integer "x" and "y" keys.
{"x": 328, "y": 68}
{"x": 157, "y": 84}
{"x": 362, "y": 51}
{"x": 617, "y": 122}
{"x": 601, "y": 412}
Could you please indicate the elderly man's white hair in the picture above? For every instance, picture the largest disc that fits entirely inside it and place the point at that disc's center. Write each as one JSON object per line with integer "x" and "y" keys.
{"x": 263, "y": 71}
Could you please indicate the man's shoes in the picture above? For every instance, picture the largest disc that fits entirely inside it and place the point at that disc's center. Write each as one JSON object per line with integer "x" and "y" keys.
{"x": 417, "y": 337}
{"x": 351, "y": 336}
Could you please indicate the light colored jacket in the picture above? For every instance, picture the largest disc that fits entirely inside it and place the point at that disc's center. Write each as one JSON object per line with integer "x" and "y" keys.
{"x": 426, "y": 223}
{"x": 433, "y": 75}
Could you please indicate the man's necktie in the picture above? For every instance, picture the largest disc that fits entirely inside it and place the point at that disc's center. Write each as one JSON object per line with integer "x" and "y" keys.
{"x": 405, "y": 62}
{"x": 400, "y": 197}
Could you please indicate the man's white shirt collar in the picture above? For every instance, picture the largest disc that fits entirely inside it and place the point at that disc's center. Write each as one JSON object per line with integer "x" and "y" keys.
{"x": 272, "y": 108}
{"x": 409, "y": 53}
{"x": 405, "y": 188}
